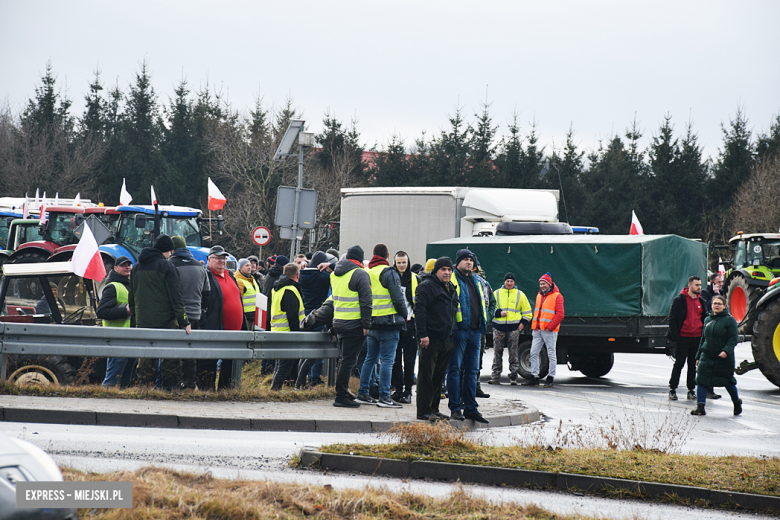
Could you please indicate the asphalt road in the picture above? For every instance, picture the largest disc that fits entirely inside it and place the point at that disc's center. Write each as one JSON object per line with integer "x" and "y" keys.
{"x": 634, "y": 394}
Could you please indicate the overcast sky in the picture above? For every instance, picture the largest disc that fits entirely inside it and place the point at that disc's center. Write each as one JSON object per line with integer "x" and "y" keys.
{"x": 402, "y": 67}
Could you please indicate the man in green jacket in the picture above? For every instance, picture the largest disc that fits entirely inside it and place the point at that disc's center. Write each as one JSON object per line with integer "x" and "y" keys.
{"x": 156, "y": 303}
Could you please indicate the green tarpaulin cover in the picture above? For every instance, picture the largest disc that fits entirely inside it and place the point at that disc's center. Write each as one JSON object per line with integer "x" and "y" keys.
{"x": 598, "y": 275}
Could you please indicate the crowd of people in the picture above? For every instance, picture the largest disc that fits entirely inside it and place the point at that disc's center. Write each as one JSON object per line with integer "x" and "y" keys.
{"x": 384, "y": 317}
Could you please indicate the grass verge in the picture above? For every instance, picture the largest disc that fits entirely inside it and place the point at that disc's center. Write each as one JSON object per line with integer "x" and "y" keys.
{"x": 442, "y": 443}
{"x": 162, "y": 494}
{"x": 254, "y": 387}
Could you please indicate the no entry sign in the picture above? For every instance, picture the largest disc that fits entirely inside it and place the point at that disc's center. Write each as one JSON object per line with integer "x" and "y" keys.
{"x": 261, "y": 236}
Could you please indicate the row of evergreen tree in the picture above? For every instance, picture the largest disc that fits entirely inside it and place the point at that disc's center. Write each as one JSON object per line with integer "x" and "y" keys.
{"x": 131, "y": 134}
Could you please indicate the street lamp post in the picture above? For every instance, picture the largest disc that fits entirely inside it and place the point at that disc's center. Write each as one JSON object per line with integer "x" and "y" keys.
{"x": 294, "y": 134}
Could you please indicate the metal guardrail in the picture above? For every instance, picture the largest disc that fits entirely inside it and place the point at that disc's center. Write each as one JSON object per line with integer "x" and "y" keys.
{"x": 78, "y": 340}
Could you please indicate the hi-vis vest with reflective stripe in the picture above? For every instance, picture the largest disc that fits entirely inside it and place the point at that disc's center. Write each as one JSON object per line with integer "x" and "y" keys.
{"x": 121, "y": 299}
{"x": 514, "y": 303}
{"x": 346, "y": 302}
{"x": 414, "y": 290}
{"x": 382, "y": 304}
{"x": 278, "y": 316}
{"x": 458, "y": 315}
{"x": 544, "y": 315}
{"x": 250, "y": 290}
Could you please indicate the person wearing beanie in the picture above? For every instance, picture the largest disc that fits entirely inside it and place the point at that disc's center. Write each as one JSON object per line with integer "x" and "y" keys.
{"x": 512, "y": 315}
{"x": 315, "y": 288}
{"x": 435, "y": 311}
{"x": 388, "y": 317}
{"x": 472, "y": 323}
{"x": 195, "y": 289}
{"x": 156, "y": 302}
{"x": 274, "y": 272}
{"x": 352, "y": 304}
{"x": 249, "y": 289}
{"x": 547, "y": 317}
{"x": 418, "y": 269}
{"x": 430, "y": 263}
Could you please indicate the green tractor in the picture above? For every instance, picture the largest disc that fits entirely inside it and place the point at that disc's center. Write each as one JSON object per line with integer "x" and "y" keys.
{"x": 755, "y": 263}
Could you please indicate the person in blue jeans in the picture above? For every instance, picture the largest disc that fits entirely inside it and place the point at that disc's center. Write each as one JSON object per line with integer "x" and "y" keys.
{"x": 472, "y": 324}
{"x": 388, "y": 317}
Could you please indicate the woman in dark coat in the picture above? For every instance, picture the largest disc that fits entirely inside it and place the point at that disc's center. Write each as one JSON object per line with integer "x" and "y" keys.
{"x": 715, "y": 358}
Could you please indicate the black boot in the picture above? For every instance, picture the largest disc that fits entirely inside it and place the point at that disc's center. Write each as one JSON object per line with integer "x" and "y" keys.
{"x": 738, "y": 407}
{"x": 480, "y": 393}
{"x": 699, "y": 410}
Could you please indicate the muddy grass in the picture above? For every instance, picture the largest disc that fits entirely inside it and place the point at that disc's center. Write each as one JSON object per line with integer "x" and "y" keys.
{"x": 254, "y": 387}
{"x": 443, "y": 444}
{"x": 166, "y": 494}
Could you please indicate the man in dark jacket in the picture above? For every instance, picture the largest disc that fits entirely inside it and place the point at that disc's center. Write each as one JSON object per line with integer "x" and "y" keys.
{"x": 466, "y": 349}
{"x": 195, "y": 291}
{"x": 388, "y": 317}
{"x": 315, "y": 287}
{"x": 274, "y": 272}
{"x": 435, "y": 307}
{"x": 686, "y": 319}
{"x": 287, "y": 311}
{"x": 406, "y": 352}
{"x": 155, "y": 303}
{"x": 352, "y": 302}
{"x": 114, "y": 310}
{"x": 225, "y": 311}
{"x": 713, "y": 288}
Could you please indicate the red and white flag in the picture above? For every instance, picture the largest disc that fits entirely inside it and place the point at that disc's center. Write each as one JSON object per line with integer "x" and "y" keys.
{"x": 86, "y": 261}
{"x": 261, "y": 304}
{"x": 636, "y": 227}
{"x": 26, "y": 207}
{"x": 124, "y": 196}
{"x": 57, "y": 199}
{"x": 721, "y": 268}
{"x": 42, "y": 216}
{"x": 154, "y": 197}
{"x": 37, "y": 204}
{"x": 216, "y": 199}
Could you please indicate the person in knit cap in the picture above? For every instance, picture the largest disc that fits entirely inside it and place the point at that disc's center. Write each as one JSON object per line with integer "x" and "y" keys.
{"x": 546, "y": 322}
{"x": 512, "y": 315}
{"x": 435, "y": 310}
{"x": 156, "y": 302}
{"x": 352, "y": 303}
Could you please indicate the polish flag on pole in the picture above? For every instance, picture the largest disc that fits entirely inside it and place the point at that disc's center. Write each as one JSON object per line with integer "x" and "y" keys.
{"x": 42, "y": 216}
{"x": 636, "y": 227}
{"x": 721, "y": 268}
{"x": 37, "y": 204}
{"x": 216, "y": 199}
{"x": 57, "y": 199}
{"x": 86, "y": 261}
{"x": 154, "y": 197}
{"x": 261, "y": 303}
{"x": 77, "y": 200}
{"x": 26, "y": 207}
{"x": 124, "y": 196}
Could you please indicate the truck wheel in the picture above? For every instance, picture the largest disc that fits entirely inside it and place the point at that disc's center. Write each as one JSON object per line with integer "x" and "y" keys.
{"x": 29, "y": 257}
{"x": 597, "y": 365}
{"x": 766, "y": 342}
{"x": 740, "y": 296}
{"x": 524, "y": 353}
{"x": 40, "y": 371}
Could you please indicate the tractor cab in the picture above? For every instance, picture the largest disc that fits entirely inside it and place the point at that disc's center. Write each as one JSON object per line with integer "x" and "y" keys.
{"x": 755, "y": 263}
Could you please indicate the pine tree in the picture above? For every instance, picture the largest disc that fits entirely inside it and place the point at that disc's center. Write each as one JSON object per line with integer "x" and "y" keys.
{"x": 768, "y": 144}
{"x": 49, "y": 110}
{"x": 93, "y": 122}
{"x": 734, "y": 164}
{"x": 563, "y": 174}
{"x": 508, "y": 159}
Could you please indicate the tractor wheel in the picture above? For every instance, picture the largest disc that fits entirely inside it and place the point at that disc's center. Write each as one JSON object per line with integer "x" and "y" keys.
{"x": 30, "y": 257}
{"x": 766, "y": 342}
{"x": 594, "y": 365}
{"x": 524, "y": 353}
{"x": 40, "y": 371}
{"x": 740, "y": 297}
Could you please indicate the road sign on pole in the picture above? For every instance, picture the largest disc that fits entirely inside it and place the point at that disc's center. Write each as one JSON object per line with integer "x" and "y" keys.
{"x": 261, "y": 236}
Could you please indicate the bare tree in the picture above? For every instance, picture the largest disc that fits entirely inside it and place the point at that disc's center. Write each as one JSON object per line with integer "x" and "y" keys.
{"x": 755, "y": 208}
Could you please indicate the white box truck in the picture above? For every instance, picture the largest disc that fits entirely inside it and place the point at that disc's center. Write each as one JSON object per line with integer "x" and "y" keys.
{"x": 409, "y": 218}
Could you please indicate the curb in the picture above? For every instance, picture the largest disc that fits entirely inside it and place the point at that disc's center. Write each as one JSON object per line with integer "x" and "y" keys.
{"x": 54, "y": 416}
{"x": 491, "y": 475}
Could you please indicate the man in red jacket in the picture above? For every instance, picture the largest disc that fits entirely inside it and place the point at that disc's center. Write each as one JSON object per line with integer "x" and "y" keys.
{"x": 686, "y": 320}
{"x": 548, "y": 315}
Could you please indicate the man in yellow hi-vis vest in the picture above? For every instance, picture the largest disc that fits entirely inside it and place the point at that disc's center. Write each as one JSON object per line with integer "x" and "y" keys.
{"x": 388, "y": 317}
{"x": 548, "y": 315}
{"x": 114, "y": 312}
{"x": 352, "y": 302}
{"x": 513, "y": 314}
{"x": 286, "y": 315}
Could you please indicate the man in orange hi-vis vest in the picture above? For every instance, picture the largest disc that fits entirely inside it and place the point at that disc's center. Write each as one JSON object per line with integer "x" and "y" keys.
{"x": 548, "y": 314}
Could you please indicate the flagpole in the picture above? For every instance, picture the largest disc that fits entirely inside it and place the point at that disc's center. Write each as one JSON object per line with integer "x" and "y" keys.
{"x": 211, "y": 237}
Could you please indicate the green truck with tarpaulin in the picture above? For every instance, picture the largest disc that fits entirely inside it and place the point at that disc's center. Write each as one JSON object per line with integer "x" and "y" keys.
{"x": 617, "y": 289}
